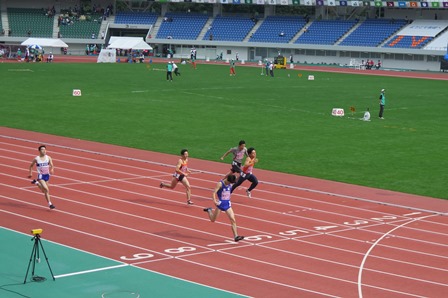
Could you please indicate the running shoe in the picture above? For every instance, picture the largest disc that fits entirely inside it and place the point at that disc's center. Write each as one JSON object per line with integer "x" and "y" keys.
{"x": 52, "y": 206}
{"x": 207, "y": 209}
{"x": 189, "y": 202}
{"x": 238, "y": 238}
{"x": 249, "y": 194}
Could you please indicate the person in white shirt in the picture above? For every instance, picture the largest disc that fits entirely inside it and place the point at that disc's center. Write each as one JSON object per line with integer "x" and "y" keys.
{"x": 175, "y": 69}
{"x": 50, "y": 57}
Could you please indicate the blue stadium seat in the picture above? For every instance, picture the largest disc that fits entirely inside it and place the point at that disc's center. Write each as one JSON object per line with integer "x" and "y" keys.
{"x": 182, "y": 26}
{"x": 138, "y": 18}
{"x": 325, "y": 32}
{"x": 373, "y": 32}
{"x": 409, "y": 42}
{"x": 273, "y": 26}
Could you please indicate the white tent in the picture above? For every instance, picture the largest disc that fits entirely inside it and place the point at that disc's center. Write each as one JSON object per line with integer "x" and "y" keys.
{"x": 107, "y": 56}
{"x": 135, "y": 43}
{"x": 45, "y": 42}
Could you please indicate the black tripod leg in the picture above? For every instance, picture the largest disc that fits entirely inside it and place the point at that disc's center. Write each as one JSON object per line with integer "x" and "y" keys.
{"x": 33, "y": 253}
{"x": 48, "y": 263}
{"x": 36, "y": 256}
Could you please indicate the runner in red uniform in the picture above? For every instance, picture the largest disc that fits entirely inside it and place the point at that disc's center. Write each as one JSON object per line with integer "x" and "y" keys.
{"x": 180, "y": 175}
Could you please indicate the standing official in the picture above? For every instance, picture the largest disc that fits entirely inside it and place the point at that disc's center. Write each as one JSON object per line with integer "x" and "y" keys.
{"x": 382, "y": 103}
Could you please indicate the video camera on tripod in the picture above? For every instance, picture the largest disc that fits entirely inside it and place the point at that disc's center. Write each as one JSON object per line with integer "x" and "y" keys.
{"x": 36, "y": 231}
{"x": 35, "y": 256}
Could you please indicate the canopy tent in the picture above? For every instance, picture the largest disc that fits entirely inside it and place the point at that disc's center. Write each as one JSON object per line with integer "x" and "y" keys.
{"x": 135, "y": 43}
{"x": 45, "y": 42}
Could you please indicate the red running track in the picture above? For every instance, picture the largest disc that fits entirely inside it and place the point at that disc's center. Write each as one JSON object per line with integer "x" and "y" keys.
{"x": 386, "y": 73}
{"x": 304, "y": 237}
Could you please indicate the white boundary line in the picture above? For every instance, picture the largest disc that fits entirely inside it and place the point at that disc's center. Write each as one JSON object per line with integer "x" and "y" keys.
{"x": 361, "y": 267}
{"x": 90, "y": 271}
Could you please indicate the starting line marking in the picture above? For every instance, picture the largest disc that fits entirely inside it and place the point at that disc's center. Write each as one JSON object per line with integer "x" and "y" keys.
{"x": 90, "y": 271}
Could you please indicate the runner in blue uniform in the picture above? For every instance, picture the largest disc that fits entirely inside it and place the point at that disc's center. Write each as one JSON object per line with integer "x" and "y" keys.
{"x": 221, "y": 198}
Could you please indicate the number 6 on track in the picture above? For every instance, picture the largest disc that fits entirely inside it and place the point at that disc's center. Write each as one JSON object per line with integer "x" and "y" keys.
{"x": 140, "y": 256}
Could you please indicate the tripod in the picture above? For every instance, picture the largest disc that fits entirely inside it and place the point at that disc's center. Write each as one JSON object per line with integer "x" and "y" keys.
{"x": 35, "y": 257}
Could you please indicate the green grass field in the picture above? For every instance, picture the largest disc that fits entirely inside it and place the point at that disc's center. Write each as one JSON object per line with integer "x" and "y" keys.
{"x": 287, "y": 119}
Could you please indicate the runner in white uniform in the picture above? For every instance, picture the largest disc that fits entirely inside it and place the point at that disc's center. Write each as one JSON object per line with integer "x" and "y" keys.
{"x": 44, "y": 167}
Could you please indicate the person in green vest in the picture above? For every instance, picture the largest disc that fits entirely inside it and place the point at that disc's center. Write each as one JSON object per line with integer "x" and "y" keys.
{"x": 169, "y": 71}
{"x": 382, "y": 103}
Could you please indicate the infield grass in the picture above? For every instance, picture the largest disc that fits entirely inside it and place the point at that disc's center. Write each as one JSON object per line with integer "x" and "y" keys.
{"x": 287, "y": 119}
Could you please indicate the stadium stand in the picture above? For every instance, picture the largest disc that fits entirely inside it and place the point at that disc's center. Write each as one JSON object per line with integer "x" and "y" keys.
{"x": 82, "y": 28}
{"x": 29, "y": 22}
{"x": 373, "y": 32}
{"x": 182, "y": 25}
{"x": 412, "y": 42}
{"x": 325, "y": 32}
{"x": 229, "y": 28}
{"x": 273, "y": 26}
{"x": 139, "y": 18}
{"x": 417, "y": 34}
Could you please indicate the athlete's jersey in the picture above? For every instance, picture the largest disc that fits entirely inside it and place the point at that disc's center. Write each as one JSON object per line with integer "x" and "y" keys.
{"x": 224, "y": 192}
{"x": 248, "y": 169}
{"x": 224, "y": 196}
{"x": 238, "y": 155}
{"x": 183, "y": 166}
{"x": 43, "y": 167}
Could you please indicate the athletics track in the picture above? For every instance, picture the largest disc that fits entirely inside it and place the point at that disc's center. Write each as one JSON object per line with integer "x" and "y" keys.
{"x": 321, "y": 68}
{"x": 304, "y": 237}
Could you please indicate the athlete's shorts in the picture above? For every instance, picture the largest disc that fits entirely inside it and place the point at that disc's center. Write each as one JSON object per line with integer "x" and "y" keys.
{"x": 44, "y": 177}
{"x": 236, "y": 167}
{"x": 179, "y": 177}
{"x": 224, "y": 205}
